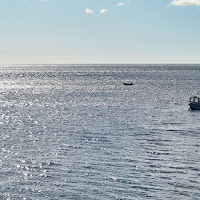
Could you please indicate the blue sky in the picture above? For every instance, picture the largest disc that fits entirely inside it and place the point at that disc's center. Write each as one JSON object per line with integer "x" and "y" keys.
{"x": 99, "y": 31}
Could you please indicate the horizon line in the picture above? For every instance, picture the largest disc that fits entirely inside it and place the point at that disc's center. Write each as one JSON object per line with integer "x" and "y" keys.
{"x": 100, "y": 64}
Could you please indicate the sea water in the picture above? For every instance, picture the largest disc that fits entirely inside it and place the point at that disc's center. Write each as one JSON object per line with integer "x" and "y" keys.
{"x": 76, "y": 132}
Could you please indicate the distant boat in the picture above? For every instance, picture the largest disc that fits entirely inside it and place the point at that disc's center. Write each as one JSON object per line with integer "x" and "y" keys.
{"x": 128, "y": 83}
{"x": 194, "y": 103}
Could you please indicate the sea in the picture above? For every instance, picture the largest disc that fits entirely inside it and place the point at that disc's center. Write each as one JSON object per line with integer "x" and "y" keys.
{"x": 76, "y": 132}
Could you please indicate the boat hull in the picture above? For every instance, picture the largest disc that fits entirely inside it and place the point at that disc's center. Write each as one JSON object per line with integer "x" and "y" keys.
{"x": 194, "y": 106}
{"x": 128, "y": 83}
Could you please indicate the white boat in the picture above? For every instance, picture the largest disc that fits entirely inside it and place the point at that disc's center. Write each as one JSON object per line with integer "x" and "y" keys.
{"x": 194, "y": 103}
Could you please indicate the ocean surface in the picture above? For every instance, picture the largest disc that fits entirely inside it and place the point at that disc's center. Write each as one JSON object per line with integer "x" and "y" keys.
{"x": 76, "y": 132}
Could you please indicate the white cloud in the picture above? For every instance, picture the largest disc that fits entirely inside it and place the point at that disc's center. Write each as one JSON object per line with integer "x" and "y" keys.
{"x": 103, "y": 11}
{"x": 88, "y": 11}
{"x": 185, "y": 2}
{"x": 120, "y": 4}
{"x": 44, "y": 0}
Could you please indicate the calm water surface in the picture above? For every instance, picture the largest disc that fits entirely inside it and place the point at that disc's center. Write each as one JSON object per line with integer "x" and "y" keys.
{"x": 76, "y": 132}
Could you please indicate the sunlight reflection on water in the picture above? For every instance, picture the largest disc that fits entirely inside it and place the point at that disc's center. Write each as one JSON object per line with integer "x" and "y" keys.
{"x": 76, "y": 132}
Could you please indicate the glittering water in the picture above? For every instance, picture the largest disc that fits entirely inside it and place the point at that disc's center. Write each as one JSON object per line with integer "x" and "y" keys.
{"x": 76, "y": 132}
